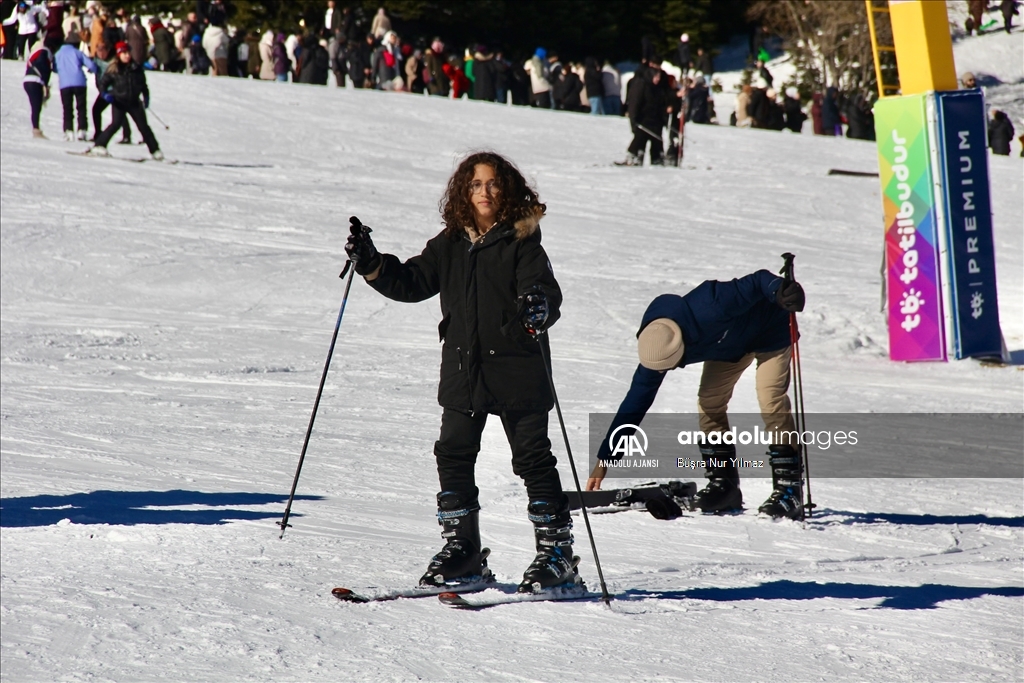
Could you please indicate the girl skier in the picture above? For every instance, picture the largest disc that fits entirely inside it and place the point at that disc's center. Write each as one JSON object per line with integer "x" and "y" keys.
{"x": 123, "y": 84}
{"x": 498, "y": 294}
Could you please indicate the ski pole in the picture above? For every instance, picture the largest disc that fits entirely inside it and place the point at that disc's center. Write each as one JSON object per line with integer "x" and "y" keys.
{"x": 546, "y": 359}
{"x": 798, "y": 383}
{"x": 157, "y": 117}
{"x": 316, "y": 404}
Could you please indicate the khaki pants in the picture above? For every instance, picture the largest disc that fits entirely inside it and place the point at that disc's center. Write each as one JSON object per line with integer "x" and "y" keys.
{"x": 772, "y": 381}
{"x": 220, "y": 66}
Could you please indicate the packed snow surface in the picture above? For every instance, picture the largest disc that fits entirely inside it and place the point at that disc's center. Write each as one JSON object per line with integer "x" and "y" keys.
{"x": 164, "y": 328}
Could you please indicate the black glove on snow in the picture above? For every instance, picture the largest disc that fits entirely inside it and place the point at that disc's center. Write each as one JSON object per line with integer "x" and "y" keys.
{"x": 790, "y": 296}
{"x": 364, "y": 256}
{"x": 534, "y": 307}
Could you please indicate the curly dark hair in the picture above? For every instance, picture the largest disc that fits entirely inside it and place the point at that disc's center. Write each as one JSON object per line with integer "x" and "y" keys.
{"x": 516, "y": 199}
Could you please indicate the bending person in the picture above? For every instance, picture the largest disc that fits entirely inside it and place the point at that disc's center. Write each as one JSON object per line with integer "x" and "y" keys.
{"x": 726, "y": 326}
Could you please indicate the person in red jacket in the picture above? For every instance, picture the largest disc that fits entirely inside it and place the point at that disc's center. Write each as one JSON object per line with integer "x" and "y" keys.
{"x": 457, "y": 77}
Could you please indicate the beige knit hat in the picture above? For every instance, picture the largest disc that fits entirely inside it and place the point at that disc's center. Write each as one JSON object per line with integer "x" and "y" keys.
{"x": 660, "y": 345}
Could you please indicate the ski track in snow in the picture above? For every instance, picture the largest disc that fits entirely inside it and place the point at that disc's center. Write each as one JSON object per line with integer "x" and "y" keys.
{"x": 164, "y": 329}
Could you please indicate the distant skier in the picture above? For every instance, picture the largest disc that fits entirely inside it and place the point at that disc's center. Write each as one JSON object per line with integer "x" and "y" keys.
{"x": 498, "y": 293}
{"x": 39, "y": 65}
{"x": 649, "y": 109}
{"x": 726, "y": 326}
{"x": 123, "y": 84}
{"x": 69, "y": 62}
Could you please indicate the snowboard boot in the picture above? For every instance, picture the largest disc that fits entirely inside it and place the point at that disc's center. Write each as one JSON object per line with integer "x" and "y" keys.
{"x": 461, "y": 560}
{"x": 82, "y": 134}
{"x": 632, "y": 160}
{"x": 158, "y": 156}
{"x": 722, "y": 494}
{"x": 97, "y": 151}
{"x": 787, "y": 498}
{"x": 554, "y": 565}
{"x": 69, "y": 136}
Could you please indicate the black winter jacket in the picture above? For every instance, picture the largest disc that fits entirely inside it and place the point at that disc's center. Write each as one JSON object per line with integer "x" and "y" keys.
{"x": 1000, "y": 132}
{"x": 488, "y": 361}
{"x": 126, "y": 84}
{"x": 648, "y": 106}
{"x": 485, "y": 77}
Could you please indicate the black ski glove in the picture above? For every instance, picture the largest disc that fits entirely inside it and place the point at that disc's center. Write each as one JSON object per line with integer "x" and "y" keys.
{"x": 790, "y": 296}
{"x": 364, "y": 256}
{"x": 533, "y": 305}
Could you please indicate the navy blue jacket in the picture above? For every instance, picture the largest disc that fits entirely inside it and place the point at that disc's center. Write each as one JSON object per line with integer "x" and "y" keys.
{"x": 720, "y": 321}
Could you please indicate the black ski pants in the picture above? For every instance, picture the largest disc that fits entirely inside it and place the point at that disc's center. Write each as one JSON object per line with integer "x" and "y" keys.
{"x": 639, "y": 144}
{"x": 98, "y": 107}
{"x": 69, "y": 97}
{"x": 532, "y": 460}
{"x": 24, "y": 42}
{"x": 35, "y": 101}
{"x": 138, "y": 114}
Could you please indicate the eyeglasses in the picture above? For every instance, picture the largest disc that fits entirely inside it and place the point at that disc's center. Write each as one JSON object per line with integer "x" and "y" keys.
{"x": 476, "y": 187}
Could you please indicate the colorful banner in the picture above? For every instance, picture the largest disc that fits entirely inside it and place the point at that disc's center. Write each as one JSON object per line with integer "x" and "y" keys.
{"x": 963, "y": 156}
{"x": 916, "y": 328}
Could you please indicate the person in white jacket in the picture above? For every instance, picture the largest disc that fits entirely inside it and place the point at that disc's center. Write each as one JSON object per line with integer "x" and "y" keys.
{"x": 267, "y": 56}
{"x": 537, "y": 67}
{"x": 215, "y": 42}
{"x": 29, "y": 18}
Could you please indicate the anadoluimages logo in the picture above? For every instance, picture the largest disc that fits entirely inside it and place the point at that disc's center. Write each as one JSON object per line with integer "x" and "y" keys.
{"x": 628, "y": 445}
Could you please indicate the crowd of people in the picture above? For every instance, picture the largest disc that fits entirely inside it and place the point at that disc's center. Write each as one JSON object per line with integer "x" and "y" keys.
{"x": 202, "y": 43}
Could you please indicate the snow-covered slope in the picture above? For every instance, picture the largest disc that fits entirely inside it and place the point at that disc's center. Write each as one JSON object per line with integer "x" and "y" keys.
{"x": 163, "y": 332}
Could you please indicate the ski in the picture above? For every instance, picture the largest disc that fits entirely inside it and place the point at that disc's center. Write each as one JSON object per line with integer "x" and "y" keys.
{"x": 493, "y": 598}
{"x": 128, "y": 159}
{"x": 475, "y": 583}
{"x": 349, "y": 595}
{"x": 634, "y": 498}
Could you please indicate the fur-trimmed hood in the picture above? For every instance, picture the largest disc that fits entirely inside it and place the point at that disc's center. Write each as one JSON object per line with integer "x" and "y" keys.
{"x": 524, "y": 227}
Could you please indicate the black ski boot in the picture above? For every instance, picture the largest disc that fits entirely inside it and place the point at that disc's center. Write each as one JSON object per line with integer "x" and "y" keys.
{"x": 722, "y": 494}
{"x": 554, "y": 565}
{"x": 462, "y": 560}
{"x": 787, "y": 500}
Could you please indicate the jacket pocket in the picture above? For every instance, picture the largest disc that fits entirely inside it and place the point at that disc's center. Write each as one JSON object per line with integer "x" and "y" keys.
{"x": 442, "y": 327}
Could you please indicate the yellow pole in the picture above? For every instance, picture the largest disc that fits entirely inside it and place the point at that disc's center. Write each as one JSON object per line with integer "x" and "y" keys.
{"x": 924, "y": 49}
{"x": 874, "y": 47}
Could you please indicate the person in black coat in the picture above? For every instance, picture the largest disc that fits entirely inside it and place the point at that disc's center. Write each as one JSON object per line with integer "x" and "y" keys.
{"x": 485, "y": 75}
{"x": 648, "y": 111}
{"x": 359, "y": 59}
{"x": 830, "y": 119}
{"x": 683, "y": 53}
{"x": 498, "y": 295}
{"x": 315, "y": 62}
{"x": 795, "y": 116}
{"x": 726, "y": 326}
{"x": 1000, "y": 132}
{"x": 860, "y": 120}
{"x": 697, "y": 102}
{"x": 124, "y": 86}
{"x": 705, "y": 63}
{"x": 567, "y": 90}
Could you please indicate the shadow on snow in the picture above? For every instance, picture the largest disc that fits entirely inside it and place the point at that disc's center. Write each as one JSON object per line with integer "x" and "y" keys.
{"x": 139, "y": 507}
{"x": 927, "y": 596}
{"x": 821, "y": 518}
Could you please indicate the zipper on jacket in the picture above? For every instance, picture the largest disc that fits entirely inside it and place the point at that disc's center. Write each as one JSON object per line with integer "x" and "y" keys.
{"x": 458, "y": 350}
